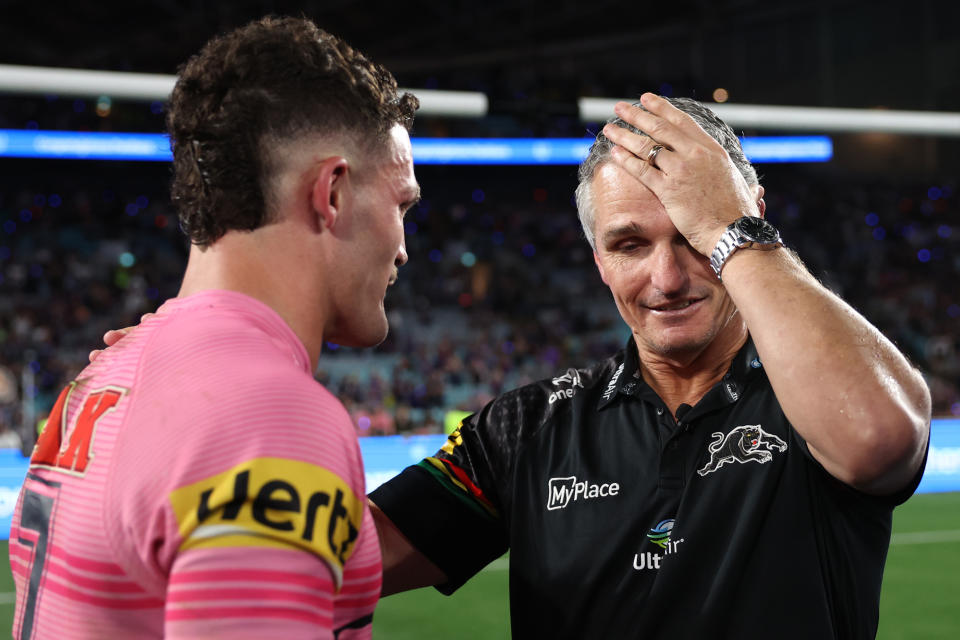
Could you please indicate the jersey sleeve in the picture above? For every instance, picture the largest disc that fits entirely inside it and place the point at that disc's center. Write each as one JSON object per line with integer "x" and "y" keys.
{"x": 263, "y": 547}
{"x": 834, "y": 485}
{"x": 454, "y": 506}
{"x": 249, "y": 593}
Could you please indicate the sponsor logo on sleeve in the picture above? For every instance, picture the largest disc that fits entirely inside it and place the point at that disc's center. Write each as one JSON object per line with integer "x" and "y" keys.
{"x": 747, "y": 443}
{"x": 571, "y": 378}
{"x": 563, "y": 491}
{"x": 272, "y": 502}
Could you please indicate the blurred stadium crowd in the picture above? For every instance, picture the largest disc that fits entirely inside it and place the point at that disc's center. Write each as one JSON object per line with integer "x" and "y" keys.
{"x": 500, "y": 288}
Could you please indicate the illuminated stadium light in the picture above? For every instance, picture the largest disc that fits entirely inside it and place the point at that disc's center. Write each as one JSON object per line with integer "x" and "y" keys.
{"x": 154, "y": 147}
{"x": 500, "y": 151}
{"x": 788, "y": 149}
{"x": 157, "y": 87}
{"x": 455, "y": 104}
{"x": 104, "y": 105}
{"x": 808, "y": 118}
{"x": 84, "y": 83}
{"x": 75, "y": 145}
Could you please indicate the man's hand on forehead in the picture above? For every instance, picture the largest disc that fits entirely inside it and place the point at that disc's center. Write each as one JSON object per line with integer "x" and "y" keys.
{"x": 692, "y": 174}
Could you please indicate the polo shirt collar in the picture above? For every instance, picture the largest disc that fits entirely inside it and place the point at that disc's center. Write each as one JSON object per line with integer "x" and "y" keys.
{"x": 627, "y": 380}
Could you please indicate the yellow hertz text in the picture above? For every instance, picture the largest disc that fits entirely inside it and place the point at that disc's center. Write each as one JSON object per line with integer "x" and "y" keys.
{"x": 272, "y": 502}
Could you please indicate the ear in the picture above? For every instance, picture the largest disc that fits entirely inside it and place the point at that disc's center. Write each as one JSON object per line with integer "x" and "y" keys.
{"x": 758, "y": 196}
{"x": 603, "y": 275}
{"x": 330, "y": 193}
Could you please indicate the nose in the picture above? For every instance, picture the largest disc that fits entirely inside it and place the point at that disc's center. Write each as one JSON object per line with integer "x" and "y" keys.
{"x": 669, "y": 275}
{"x": 401, "y": 258}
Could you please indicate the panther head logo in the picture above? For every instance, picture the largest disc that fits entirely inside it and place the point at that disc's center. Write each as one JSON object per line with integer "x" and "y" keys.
{"x": 742, "y": 444}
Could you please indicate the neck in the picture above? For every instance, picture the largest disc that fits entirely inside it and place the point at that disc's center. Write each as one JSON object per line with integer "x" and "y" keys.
{"x": 261, "y": 264}
{"x": 686, "y": 378}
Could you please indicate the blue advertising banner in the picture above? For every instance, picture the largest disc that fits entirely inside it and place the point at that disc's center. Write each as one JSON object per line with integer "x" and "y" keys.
{"x": 155, "y": 147}
{"x": 943, "y": 462}
{"x": 386, "y": 456}
{"x": 13, "y": 468}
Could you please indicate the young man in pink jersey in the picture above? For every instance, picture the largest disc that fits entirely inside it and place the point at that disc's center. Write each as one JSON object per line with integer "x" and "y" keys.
{"x": 195, "y": 481}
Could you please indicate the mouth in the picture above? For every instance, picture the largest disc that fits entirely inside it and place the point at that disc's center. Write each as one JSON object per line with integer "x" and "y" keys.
{"x": 675, "y": 306}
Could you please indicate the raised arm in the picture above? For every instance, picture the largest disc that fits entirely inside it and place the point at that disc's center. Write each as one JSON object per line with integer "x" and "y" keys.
{"x": 862, "y": 408}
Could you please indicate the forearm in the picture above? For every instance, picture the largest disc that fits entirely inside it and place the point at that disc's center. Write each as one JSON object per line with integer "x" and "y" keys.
{"x": 861, "y": 407}
{"x": 404, "y": 567}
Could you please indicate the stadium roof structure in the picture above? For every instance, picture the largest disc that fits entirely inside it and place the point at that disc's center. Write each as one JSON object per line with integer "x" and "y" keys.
{"x": 528, "y": 54}
{"x": 533, "y": 62}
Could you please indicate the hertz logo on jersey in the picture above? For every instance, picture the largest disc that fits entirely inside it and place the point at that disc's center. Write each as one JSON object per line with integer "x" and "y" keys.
{"x": 272, "y": 502}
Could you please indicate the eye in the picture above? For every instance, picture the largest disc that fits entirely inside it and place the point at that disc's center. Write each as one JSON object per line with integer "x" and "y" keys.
{"x": 406, "y": 206}
{"x": 629, "y": 244}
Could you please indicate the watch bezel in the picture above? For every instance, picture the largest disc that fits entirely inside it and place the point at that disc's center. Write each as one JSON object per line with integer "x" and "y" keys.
{"x": 757, "y": 229}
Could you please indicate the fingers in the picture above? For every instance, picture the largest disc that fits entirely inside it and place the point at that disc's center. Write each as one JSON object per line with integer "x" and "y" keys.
{"x": 662, "y": 108}
{"x": 668, "y": 125}
{"x": 652, "y": 150}
{"x": 634, "y": 152}
{"x": 638, "y": 167}
{"x": 635, "y": 143}
{"x": 113, "y": 336}
{"x": 110, "y": 338}
{"x": 663, "y": 121}
{"x": 676, "y": 133}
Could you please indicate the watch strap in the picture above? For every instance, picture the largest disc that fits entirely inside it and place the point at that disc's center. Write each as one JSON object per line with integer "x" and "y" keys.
{"x": 732, "y": 239}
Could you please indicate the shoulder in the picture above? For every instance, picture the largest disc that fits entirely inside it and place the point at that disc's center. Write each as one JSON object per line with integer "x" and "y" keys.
{"x": 215, "y": 388}
{"x": 566, "y": 384}
{"x": 213, "y": 334}
{"x": 233, "y": 354}
{"x": 526, "y": 409}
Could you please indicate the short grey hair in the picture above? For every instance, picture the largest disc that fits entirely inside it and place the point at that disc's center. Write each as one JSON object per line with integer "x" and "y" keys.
{"x": 600, "y": 154}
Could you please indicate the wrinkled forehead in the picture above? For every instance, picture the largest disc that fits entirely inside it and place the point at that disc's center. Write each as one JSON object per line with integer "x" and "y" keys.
{"x": 616, "y": 191}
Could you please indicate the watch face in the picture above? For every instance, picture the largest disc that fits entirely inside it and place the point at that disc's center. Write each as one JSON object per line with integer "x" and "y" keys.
{"x": 758, "y": 230}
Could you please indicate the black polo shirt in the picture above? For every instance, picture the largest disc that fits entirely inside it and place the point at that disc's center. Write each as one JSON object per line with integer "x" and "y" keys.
{"x": 625, "y": 522}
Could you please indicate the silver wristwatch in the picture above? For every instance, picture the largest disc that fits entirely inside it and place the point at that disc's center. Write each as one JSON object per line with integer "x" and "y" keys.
{"x": 748, "y": 232}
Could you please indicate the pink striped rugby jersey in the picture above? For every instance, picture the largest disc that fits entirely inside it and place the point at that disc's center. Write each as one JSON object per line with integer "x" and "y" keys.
{"x": 196, "y": 482}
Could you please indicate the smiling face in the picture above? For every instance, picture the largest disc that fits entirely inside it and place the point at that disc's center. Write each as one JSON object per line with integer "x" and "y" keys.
{"x": 383, "y": 192}
{"x": 666, "y": 292}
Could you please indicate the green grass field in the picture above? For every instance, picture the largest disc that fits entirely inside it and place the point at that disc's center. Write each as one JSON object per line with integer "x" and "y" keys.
{"x": 920, "y": 600}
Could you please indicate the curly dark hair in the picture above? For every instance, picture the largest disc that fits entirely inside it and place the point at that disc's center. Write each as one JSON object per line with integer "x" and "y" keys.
{"x": 249, "y": 90}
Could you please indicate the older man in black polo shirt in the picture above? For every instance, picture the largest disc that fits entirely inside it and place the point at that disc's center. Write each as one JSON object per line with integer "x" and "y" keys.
{"x": 730, "y": 474}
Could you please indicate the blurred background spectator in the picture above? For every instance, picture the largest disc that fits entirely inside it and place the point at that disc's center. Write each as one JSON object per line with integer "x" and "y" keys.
{"x": 500, "y": 288}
